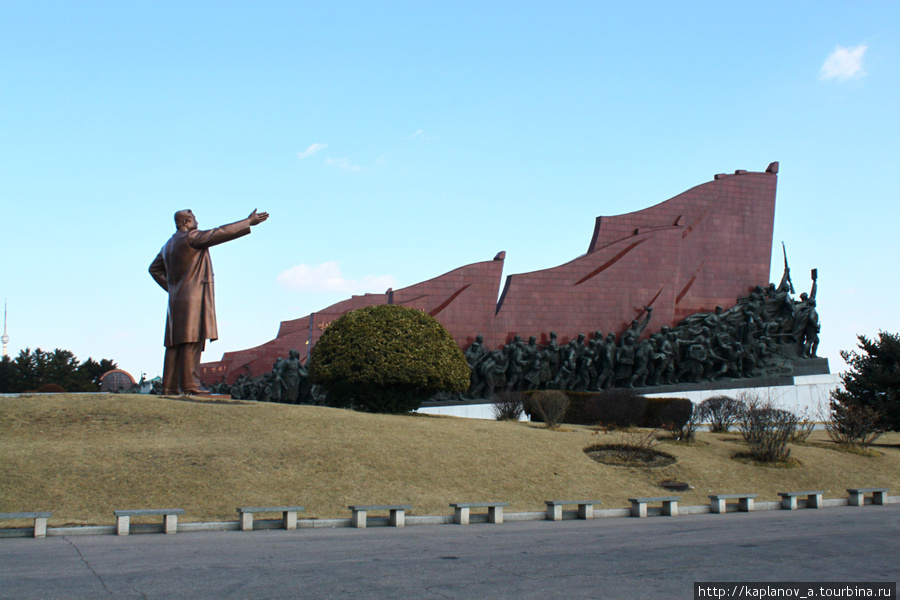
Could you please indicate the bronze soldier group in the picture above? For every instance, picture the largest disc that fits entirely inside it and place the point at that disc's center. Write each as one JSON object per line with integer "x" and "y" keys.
{"x": 759, "y": 336}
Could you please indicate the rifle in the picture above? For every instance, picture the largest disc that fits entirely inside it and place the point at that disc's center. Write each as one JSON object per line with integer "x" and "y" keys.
{"x": 787, "y": 271}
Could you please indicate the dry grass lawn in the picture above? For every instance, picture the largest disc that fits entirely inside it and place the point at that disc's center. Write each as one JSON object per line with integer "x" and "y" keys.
{"x": 84, "y": 456}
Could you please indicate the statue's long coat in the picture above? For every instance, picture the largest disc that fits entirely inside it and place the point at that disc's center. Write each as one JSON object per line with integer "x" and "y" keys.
{"x": 184, "y": 269}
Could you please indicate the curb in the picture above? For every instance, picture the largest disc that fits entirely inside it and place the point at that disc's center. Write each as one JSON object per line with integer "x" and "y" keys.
{"x": 28, "y": 532}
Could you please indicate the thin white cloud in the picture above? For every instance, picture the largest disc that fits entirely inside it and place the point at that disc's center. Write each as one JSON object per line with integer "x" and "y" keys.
{"x": 341, "y": 163}
{"x": 420, "y": 133}
{"x": 844, "y": 63}
{"x": 327, "y": 277}
{"x": 311, "y": 150}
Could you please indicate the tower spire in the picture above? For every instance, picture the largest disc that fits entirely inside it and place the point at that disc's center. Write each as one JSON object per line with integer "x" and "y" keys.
{"x": 5, "y": 338}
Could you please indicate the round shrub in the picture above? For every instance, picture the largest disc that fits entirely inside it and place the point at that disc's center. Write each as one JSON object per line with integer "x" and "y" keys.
{"x": 387, "y": 359}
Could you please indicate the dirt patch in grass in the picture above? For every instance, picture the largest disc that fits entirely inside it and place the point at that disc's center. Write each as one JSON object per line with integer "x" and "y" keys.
{"x": 623, "y": 455}
{"x": 84, "y": 456}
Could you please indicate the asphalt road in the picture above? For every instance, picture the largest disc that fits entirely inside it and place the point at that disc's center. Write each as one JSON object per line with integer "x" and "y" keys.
{"x": 621, "y": 558}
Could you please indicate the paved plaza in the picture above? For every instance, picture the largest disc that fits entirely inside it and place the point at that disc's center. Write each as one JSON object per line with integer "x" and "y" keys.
{"x": 618, "y": 558}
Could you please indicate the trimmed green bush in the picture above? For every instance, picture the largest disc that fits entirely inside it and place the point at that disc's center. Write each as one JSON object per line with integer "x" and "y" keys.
{"x": 668, "y": 413}
{"x": 612, "y": 408}
{"x": 386, "y": 358}
{"x": 616, "y": 408}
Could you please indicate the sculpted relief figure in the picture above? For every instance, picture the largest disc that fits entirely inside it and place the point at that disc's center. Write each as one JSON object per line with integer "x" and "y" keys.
{"x": 184, "y": 269}
{"x": 475, "y": 354}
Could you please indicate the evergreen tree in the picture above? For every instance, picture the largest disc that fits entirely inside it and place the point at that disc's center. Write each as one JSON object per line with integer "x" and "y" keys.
{"x": 873, "y": 381}
{"x": 28, "y": 370}
{"x": 8, "y": 377}
{"x": 32, "y": 369}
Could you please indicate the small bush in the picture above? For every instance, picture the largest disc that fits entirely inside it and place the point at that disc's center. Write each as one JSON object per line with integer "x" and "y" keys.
{"x": 616, "y": 408}
{"x": 853, "y": 424}
{"x": 805, "y": 427}
{"x": 550, "y": 406}
{"x": 767, "y": 430}
{"x": 722, "y": 412}
{"x": 508, "y": 406}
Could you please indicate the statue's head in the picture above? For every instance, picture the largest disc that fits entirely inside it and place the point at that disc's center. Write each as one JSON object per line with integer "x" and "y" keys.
{"x": 185, "y": 220}
{"x": 479, "y": 338}
{"x": 294, "y": 354}
{"x": 532, "y": 340}
{"x": 719, "y": 310}
{"x": 804, "y": 296}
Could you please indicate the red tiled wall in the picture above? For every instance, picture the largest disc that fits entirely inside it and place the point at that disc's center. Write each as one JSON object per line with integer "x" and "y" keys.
{"x": 703, "y": 248}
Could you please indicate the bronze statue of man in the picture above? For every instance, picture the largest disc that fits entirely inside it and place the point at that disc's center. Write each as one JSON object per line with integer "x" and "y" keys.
{"x": 183, "y": 268}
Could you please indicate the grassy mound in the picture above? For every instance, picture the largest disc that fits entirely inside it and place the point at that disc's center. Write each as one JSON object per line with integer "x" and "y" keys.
{"x": 84, "y": 456}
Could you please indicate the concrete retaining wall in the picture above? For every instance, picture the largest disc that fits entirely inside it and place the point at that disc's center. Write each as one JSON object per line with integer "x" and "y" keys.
{"x": 808, "y": 397}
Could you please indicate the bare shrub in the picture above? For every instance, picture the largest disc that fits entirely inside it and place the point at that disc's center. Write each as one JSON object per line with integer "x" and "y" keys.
{"x": 767, "y": 429}
{"x": 722, "y": 412}
{"x": 550, "y": 406}
{"x": 641, "y": 441}
{"x": 508, "y": 406}
{"x": 805, "y": 427}
{"x": 853, "y": 424}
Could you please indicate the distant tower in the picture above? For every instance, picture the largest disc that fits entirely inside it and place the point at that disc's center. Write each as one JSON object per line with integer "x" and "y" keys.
{"x": 5, "y": 338}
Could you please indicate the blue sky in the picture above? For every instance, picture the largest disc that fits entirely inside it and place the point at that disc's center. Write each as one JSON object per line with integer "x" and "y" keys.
{"x": 394, "y": 141}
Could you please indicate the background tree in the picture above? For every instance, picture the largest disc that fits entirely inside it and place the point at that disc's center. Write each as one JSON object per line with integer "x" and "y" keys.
{"x": 386, "y": 358}
{"x": 90, "y": 371}
{"x": 32, "y": 369}
{"x": 8, "y": 374}
{"x": 872, "y": 384}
